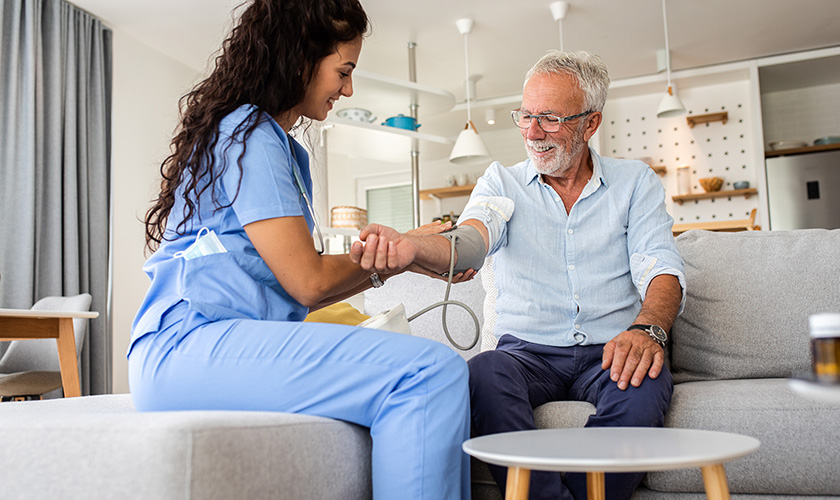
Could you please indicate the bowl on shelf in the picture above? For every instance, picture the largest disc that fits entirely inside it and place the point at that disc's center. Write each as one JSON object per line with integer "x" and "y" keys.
{"x": 356, "y": 114}
{"x": 832, "y": 139}
{"x": 787, "y": 144}
{"x": 740, "y": 185}
{"x": 711, "y": 184}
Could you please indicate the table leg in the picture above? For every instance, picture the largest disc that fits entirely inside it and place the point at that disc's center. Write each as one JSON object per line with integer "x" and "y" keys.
{"x": 67, "y": 358}
{"x": 714, "y": 478}
{"x": 595, "y": 489}
{"x": 518, "y": 483}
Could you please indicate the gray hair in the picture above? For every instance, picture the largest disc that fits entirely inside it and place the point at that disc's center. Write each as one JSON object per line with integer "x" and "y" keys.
{"x": 588, "y": 69}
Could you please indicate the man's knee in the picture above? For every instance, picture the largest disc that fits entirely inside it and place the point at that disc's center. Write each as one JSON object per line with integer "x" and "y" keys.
{"x": 488, "y": 368}
{"x": 643, "y": 406}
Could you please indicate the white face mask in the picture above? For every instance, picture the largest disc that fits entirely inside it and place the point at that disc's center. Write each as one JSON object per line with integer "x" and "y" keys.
{"x": 206, "y": 243}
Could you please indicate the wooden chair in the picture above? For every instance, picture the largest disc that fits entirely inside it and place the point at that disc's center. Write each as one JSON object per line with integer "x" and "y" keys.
{"x": 29, "y": 369}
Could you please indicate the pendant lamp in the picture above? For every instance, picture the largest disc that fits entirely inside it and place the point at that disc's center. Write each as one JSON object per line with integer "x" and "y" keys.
{"x": 671, "y": 104}
{"x": 558, "y": 12}
{"x": 469, "y": 147}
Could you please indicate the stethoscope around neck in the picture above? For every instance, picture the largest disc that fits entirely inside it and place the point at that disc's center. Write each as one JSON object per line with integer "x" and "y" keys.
{"x": 305, "y": 196}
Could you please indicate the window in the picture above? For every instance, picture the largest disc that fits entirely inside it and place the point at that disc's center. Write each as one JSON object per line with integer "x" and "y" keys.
{"x": 391, "y": 206}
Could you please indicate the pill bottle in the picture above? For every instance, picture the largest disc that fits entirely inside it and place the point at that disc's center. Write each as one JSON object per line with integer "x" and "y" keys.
{"x": 825, "y": 346}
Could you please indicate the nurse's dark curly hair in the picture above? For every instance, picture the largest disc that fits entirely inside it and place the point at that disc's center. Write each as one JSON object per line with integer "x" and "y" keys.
{"x": 268, "y": 60}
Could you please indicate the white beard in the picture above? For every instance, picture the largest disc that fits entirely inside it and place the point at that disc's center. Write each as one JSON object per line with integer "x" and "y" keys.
{"x": 559, "y": 162}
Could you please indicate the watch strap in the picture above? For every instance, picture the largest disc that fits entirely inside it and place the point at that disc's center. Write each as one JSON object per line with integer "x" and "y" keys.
{"x": 649, "y": 330}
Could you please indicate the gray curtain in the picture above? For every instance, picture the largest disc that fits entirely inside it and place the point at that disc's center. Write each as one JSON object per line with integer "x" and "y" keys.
{"x": 55, "y": 107}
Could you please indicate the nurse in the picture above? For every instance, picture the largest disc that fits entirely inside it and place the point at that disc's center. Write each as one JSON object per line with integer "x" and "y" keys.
{"x": 234, "y": 269}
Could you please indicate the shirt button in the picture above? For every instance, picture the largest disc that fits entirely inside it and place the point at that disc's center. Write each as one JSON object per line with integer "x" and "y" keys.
{"x": 571, "y": 231}
{"x": 577, "y": 326}
{"x": 577, "y": 296}
{"x": 571, "y": 268}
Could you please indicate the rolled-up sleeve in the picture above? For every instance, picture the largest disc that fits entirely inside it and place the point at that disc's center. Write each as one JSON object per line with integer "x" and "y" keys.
{"x": 489, "y": 207}
{"x": 650, "y": 240}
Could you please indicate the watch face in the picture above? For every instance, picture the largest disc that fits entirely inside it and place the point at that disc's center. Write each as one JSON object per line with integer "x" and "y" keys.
{"x": 658, "y": 333}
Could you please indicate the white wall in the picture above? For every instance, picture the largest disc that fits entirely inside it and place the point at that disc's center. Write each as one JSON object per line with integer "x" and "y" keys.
{"x": 146, "y": 87}
{"x": 803, "y": 114}
{"x": 631, "y": 130}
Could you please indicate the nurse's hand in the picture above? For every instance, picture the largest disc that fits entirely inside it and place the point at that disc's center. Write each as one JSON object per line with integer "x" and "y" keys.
{"x": 435, "y": 227}
{"x": 382, "y": 249}
{"x": 457, "y": 278}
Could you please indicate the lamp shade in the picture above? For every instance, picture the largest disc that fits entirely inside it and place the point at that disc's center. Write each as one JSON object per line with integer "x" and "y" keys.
{"x": 670, "y": 106}
{"x": 469, "y": 147}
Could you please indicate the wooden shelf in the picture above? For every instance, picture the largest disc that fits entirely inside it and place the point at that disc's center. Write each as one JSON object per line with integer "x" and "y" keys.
{"x": 798, "y": 151}
{"x": 447, "y": 192}
{"x": 720, "y": 225}
{"x": 660, "y": 170}
{"x": 711, "y": 117}
{"x": 746, "y": 193}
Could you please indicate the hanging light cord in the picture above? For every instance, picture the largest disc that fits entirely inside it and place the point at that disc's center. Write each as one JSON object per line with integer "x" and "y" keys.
{"x": 560, "y": 25}
{"x": 667, "y": 49}
{"x": 467, "y": 80}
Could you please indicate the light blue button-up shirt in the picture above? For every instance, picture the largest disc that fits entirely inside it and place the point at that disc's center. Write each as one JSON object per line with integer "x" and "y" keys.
{"x": 577, "y": 278}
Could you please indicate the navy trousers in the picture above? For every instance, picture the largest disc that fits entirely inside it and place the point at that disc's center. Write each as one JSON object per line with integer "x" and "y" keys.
{"x": 508, "y": 383}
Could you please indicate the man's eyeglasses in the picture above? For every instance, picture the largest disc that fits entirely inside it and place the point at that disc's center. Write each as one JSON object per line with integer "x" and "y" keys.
{"x": 549, "y": 123}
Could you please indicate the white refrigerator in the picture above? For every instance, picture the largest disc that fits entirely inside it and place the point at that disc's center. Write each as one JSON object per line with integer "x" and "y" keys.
{"x": 803, "y": 190}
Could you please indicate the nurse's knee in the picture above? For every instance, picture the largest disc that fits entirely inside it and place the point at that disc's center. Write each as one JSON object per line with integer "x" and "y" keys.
{"x": 455, "y": 366}
{"x": 440, "y": 358}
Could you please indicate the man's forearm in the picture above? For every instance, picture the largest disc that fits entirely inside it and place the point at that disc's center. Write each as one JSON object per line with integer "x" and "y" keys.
{"x": 434, "y": 252}
{"x": 662, "y": 302}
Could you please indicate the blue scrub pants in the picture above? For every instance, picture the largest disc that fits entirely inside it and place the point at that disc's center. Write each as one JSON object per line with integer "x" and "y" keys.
{"x": 508, "y": 383}
{"x": 411, "y": 392}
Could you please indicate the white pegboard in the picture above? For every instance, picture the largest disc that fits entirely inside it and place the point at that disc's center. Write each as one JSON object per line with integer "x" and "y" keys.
{"x": 631, "y": 130}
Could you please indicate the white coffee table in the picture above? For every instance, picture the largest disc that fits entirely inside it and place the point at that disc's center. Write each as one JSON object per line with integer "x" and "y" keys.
{"x": 615, "y": 449}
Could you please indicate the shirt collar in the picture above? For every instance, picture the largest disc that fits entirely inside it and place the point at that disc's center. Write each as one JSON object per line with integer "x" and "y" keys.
{"x": 597, "y": 174}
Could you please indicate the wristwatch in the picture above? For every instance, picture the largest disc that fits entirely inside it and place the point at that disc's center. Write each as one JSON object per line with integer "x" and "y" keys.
{"x": 375, "y": 281}
{"x": 656, "y": 333}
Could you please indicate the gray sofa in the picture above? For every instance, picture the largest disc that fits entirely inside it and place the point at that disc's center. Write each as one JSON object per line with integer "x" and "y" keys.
{"x": 744, "y": 331}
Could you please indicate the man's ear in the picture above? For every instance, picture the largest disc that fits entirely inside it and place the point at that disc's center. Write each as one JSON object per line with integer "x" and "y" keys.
{"x": 592, "y": 124}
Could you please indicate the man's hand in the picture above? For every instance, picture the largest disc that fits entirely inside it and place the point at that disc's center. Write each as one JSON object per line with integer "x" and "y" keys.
{"x": 382, "y": 249}
{"x": 630, "y": 356}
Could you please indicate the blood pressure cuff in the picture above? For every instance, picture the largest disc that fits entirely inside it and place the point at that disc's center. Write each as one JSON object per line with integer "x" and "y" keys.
{"x": 494, "y": 212}
{"x": 469, "y": 247}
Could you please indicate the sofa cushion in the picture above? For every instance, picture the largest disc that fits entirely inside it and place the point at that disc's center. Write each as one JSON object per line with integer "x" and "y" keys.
{"x": 749, "y": 296}
{"x": 799, "y": 437}
{"x": 99, "y": 447}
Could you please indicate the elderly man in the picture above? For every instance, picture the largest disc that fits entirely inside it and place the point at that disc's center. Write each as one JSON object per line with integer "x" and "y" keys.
{"x": 588, "y": 276}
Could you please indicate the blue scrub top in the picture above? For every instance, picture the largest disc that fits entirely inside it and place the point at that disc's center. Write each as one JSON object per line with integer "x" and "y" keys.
{"x": 238, "y": 283}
